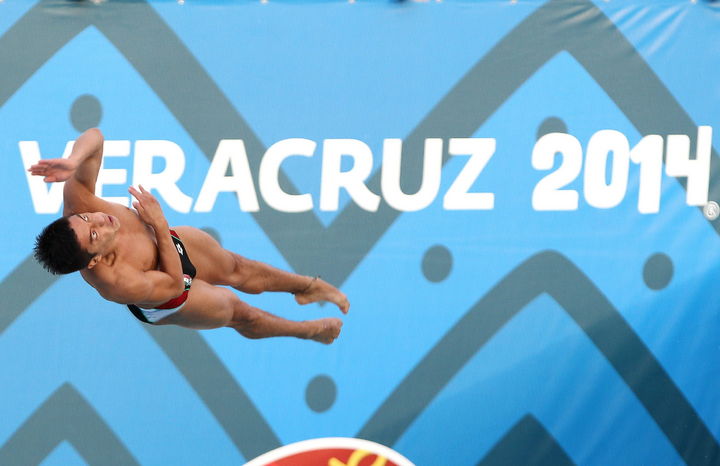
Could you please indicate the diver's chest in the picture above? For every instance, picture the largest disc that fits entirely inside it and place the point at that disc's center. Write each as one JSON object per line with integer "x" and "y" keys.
{"x": 139, "y": 250}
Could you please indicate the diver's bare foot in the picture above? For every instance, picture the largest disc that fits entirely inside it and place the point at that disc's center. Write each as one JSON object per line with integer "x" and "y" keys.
{"x": 327, "y": 330}
{"x": 320, "y": 290}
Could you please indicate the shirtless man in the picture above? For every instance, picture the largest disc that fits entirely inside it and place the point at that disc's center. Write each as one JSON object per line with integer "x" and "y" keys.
{"x": 134, "y": 258}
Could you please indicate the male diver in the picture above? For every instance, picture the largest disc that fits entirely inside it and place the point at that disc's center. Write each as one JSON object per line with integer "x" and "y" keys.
{"x": 134, "y": 258}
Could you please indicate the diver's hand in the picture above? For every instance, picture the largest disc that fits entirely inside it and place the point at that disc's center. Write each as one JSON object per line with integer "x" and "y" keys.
{"x": 54, "y": 170}
{"x": 148, "y": 208}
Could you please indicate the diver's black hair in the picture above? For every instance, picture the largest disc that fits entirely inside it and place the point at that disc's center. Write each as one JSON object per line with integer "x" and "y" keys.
{"x": 58, "y": 250}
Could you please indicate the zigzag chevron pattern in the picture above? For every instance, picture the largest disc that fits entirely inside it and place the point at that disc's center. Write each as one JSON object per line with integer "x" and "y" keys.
{"x": 480, "y": 93}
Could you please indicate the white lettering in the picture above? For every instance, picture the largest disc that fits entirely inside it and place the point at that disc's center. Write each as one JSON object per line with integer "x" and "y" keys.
{"x": 697, "y": 171}
{"x": 548, "y": 193}
{"x": 230, "y": 152}
{"x": 606, "y": 171}
{"x": 457, "y": 196}
{"x": 352, "y": 180}
{"x": 164, "y": 182}
{"x": 113, "y": 175}
{"x": 597, "y": 193}
{"x": 390, "y": 179}
{"x": 648, "y": 153}
{"x": 270, "y": 169}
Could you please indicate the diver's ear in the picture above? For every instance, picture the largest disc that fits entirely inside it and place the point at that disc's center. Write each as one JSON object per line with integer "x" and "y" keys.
{"x": 94, "y": 261}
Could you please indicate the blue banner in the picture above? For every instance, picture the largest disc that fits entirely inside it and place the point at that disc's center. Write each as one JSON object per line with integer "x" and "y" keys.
{"x": 520, "y": 200}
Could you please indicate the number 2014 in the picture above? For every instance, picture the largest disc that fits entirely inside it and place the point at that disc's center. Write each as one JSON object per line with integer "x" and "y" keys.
{"x": 648, "y": 154}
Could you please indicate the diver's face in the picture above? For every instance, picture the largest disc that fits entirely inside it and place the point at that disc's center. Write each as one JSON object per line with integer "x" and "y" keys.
{"x": 95, "y": 231}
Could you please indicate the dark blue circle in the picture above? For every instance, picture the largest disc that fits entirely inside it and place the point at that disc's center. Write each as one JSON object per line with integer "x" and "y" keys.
{"x": 551, "y": 125}
{"x": 86, "y": 112}
{"x": 320, "y": 393}
{"x": 437, "y": 263}
{"x": 658, "y": 271}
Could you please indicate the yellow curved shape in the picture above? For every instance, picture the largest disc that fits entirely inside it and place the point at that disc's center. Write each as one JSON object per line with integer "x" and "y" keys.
{"x": 355, "y": 459}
